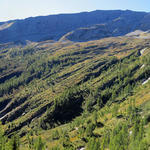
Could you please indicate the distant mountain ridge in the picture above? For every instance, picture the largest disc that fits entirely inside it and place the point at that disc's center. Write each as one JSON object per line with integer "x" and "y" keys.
{"x": 72, "y": 26}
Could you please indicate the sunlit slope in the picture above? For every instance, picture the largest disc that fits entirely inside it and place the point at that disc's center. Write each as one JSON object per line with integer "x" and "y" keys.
{"x": 110, "y": 97}
{"x": 33, "y": 78}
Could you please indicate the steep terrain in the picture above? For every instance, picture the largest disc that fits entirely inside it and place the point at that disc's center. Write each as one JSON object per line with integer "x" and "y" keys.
{"x": 76, "y": 94}
{"x": 76, "y": 82}
{"x": 53, "y": 27}
{"x": 88, "y": 34}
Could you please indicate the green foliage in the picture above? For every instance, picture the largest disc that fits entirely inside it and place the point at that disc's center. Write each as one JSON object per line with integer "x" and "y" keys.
{"x": 93, "y": 144}
{"x": 55, "y": 135}
{"x": 89, "y": 130}
{"x": 119, "y": 138}
{"x": 15, "y": 143}
{"x": 49, "y": 86}
{"x": 63, "y": 107}
{"x": 39, "y": 144}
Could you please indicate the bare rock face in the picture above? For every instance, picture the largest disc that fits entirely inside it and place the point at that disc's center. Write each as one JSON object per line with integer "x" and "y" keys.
{"x": 76, "y": 27}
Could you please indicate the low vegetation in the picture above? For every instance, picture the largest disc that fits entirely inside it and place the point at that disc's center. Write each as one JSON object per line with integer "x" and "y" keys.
{"x": 76, "y": 96}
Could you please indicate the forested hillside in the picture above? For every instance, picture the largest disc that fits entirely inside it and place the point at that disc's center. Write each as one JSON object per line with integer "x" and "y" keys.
{"x": 91, "y": 95}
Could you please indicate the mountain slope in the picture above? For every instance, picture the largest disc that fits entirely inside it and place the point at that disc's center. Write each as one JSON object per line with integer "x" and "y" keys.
{"x": 48, "y": 86}
{"x": 88, "y": 34}
{"x": 53, "y": 27}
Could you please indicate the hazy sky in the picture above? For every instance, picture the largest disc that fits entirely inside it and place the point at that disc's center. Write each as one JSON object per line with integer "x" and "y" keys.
{"x": 17, "y": 9}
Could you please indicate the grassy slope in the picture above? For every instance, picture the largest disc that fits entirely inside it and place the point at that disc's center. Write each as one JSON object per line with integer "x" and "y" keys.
{"x": 33, "y": 77}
